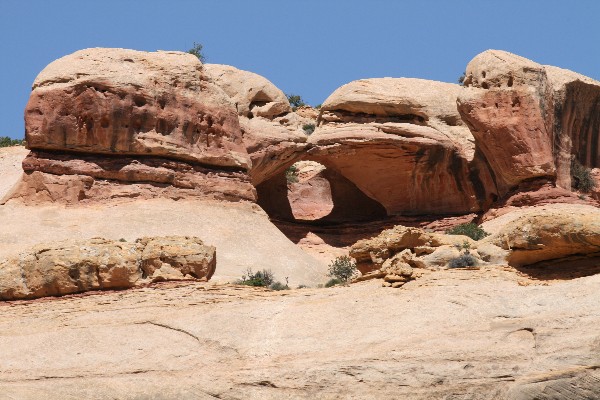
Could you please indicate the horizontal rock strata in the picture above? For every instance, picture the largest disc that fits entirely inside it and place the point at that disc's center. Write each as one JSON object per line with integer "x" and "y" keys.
{"x": 124, "y": 116}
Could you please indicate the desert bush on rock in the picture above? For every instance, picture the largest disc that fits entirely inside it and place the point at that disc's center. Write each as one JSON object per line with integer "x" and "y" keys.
{"x": 462, "y": 261}
{"x": 342, "y": 268}
{"x": 263, "y": 278}
{"x": 197, "y": 51}
{"x": 581, "y": 177}
{"x": 5, "y": 141}
{"x": 279, "y": 286}
{"x": 291, "y": 174}
{"x": 308, "y": 128}
{"x": 333, "y": 282}
{"x": 295, "y": 101}
{"x": 471, "y": 230}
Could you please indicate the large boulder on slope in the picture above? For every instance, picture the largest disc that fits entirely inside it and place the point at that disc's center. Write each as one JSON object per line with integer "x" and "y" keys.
{"x": 75, "y": 266}
{"x": 547, "y": 233}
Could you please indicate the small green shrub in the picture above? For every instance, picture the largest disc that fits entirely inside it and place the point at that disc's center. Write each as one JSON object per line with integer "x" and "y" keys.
{"x": 581, "y": 177}
{"x": 462, "y": 261}
{"x": 295, "y": 101}
{"x": 333, "y": 282}
{"x": 291, "y": 174}
{"x": 342, "y": 268}
{"x": 5, "y": 141}
{"x": 278, "y": 286}
{"x": 263, "y": 278}
{"x": 197, "y": 51}
{"x": 302, "y": 286}
{"x": 461, "y": 79}
{"x": 308, "y": 128}
{"x": 318, "y": 106}
{"x": 471, "y": 230}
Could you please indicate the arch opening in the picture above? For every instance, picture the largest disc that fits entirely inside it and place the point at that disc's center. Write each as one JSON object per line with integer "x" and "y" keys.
{"x": 310, "y": 192}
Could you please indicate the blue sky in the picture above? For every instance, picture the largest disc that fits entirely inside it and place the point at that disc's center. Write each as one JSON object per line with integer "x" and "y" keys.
{"x": 307, "y": 47}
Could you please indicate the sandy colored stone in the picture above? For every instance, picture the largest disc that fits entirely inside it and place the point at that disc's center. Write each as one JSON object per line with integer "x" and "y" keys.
{"x": 241, "y": 232}
{"x": 10, "y": 167}
{"x": 413, "y": 122}
{"x": 397, "y": 243}
{"x": 534, "y": 107}
{"x": 550, "y": 233}
{"x": 120, "y": 101}
{"x": 75, "y": 266}
{"x": 252, "y": 94}
{"x": 477, "y": 333}
{"x": 509, "y": 128}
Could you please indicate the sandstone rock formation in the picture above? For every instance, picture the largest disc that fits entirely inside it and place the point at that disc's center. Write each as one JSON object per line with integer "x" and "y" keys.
{"x": 530, "y": 120}
{"x": 402, "y": 142}
{"x": 549, "y": 233}
{"x": 272, "y": 133}
{"x": 424, "y": 249}
{"x": 74, "y": 266}
{"x": 240, "y": 231}
{"x": 101, "y": 120}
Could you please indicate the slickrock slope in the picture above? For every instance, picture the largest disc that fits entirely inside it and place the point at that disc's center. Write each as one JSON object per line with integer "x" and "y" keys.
{"x": 74, "y": 266}
{"x": 106, "y": 123}
{"x": 487, "y": 334}
{"x": 402, "y": 142}
{"x": 241, "y": 232}
{"x": 11, "y": 159}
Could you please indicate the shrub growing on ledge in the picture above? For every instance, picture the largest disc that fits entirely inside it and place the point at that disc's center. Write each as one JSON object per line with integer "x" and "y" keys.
{"x": 295, "y": 101}
{"x": 263, "y": 278}
{"x": 308, "y": 128}
{"x": 197, "y": 51}
{"x": 471, "y": 230}
{"x": 462, "y": 261}
{"x": 342, "y": 269}
{"x": 581, "y": 177}
{"x": 291, "y": 174}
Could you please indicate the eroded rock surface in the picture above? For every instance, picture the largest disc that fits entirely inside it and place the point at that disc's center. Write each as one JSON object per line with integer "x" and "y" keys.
{"x": 73, "y": 266}
{"x": 531, "y": 120}
{"x": 549, "y": 233}
{"x": 426, "y": 249}
{"x": 123, "y": 117}
{"x": 272, "y": 133}
{"x": 402, "y": 142}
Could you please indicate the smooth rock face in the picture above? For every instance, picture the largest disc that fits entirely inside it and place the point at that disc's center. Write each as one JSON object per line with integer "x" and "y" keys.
{"x": 168, "y": 125}
{"x": 402, "y": 142}
{"x": 488, "y": 334}
{"x": 73, "y": 266}
{"x": 509, "y": 129}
